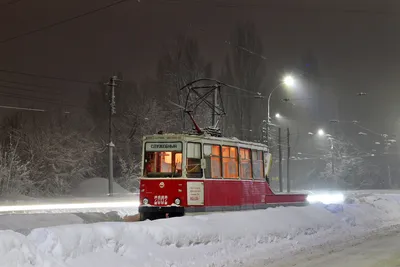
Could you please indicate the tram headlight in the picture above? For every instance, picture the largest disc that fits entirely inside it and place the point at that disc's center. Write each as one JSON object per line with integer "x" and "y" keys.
{"x": 177, "y": 201}
{"x": 326, "y": 198}
{"x": 145, "y": 201}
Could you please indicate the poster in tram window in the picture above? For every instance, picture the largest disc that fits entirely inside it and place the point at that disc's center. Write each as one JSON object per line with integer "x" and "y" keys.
{"x": 195, "y": 193}
{"x": 267, "y": 163}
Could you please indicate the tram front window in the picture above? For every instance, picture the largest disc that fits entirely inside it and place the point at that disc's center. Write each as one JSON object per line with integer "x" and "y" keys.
{"x": 163, "y": 159}
{"x": 163, "y": 164}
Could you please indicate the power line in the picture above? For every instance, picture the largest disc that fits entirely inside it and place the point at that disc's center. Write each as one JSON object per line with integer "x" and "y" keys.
{"x": 23, "y": 96}
{"x": 216, "y": 4}
{"x": 38, "y": 99}
{"x": 267, "y": 7}
{"x": 9, "y": 3}
{"x": 48, "y": 77}
{"x": 21, "y": 108}
{"x": 246, "y": 50}
{"x": 25, "y": 89}
{"x": 27, "y": 84}
{"x": 49, "y": 26}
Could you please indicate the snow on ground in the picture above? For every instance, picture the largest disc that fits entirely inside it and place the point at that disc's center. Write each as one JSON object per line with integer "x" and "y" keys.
{"x": 221, "y": 239}
{"x": 90, "y": 196}
{"x": 97, "y": 187}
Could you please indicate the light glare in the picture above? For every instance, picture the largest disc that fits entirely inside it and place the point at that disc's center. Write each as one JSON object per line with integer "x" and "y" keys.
{"x": 69, "y": 206}
{"x": 321, "y": 132}
{"x": 326, "y": 199}
{"x": 288, "y": 80}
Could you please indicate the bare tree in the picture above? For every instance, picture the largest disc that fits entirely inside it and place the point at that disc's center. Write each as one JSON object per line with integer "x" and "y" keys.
{"x": 14, "y": 172}
{"x": 244, "y": 67}
{"x": 144, "y": 116}
{"x": 180, "y": 64}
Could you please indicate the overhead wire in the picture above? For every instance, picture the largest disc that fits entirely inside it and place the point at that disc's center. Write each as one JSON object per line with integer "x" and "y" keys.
{"x": 22, "y": 108}
{"x": 267, "y": 7}
{"x": 9, "y": 3}
{"x": 21, "y": 89}
{"x": 47, "y": 77}
{"x": 31, "y": 90}
{"x": 38, "y": 99}
{"x": 63, "y": 21}
{"x": 28, "y": 84}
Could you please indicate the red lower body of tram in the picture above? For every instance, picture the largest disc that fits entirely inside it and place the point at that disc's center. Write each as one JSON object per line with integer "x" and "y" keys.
{"x": 161, "y": 198}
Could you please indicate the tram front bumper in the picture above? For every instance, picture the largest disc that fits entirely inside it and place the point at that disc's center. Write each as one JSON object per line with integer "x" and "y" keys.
{"x": 161, "y": 209}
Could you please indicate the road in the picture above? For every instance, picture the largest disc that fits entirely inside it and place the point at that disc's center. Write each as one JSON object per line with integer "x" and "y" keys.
{"x": 380, "y": 250}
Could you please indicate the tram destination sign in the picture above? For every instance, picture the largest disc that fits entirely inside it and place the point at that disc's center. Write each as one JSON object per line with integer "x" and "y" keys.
{"x": 176, "y": 146}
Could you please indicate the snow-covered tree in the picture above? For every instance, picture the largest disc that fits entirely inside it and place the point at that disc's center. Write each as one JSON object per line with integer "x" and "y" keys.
{"x": 59, "y": 157}
{"x": 144, "y": 116}
{"x": 345, "y": 165}
{"x": 14, "y": 172}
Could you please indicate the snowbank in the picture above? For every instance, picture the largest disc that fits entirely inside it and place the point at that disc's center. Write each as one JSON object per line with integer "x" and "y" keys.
{"x": 24, "y": 223}
{"x": 222, "y": 239}
{"x": 96, "y": 187}
{"x": 16, "y": 251}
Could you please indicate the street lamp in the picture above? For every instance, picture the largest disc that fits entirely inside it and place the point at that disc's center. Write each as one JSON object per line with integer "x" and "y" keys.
{"x": 288, "y": 81}
{"x": 278, "y": 116}
{"x": 321, "y": 132}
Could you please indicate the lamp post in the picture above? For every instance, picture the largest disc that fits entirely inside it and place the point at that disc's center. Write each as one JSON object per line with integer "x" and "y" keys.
{"x": 321, "y": 132}
{"x": 288, "y": 81}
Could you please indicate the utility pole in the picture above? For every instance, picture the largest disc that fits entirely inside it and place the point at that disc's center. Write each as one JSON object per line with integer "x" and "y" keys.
{"x": 280, "y": 160}
{"x": 333, "y": 150}
{"x": 332, "y": 155}
{"x": 112, "y": 110}
{"x": 288, "y": 160}
{"x": 267, "y": 131}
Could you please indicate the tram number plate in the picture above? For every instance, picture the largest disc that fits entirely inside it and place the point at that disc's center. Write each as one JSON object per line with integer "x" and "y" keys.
{"x": 160, "y": 200}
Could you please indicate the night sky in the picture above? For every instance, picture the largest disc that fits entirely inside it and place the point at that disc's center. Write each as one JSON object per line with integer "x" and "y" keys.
{"x": 355, "y": 43}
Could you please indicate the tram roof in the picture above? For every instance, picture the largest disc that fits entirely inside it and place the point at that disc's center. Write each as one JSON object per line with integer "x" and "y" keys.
{"x": 193, "y": 137}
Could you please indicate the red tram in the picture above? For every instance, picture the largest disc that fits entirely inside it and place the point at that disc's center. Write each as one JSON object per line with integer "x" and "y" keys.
{"x": 185, "y": 173}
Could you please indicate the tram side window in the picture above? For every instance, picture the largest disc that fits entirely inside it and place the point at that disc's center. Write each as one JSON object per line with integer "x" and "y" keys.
{"x": 230, "y": 162}
{"x": 193, "y": 164}
{"x": 258, "y": 165}
{"x": 245, "y": 164}
{"x": 212, "y": 155}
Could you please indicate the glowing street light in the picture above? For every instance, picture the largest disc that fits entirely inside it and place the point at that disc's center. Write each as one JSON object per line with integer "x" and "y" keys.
{"x": 288, "y": 80}
{"x": 278, "y": 116}
{"x": 321, "y": 132}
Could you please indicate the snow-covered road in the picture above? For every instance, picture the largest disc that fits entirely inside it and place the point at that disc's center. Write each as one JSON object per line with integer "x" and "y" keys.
{"x": 381, "y": 249}
{"x": 245, "y": 239}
